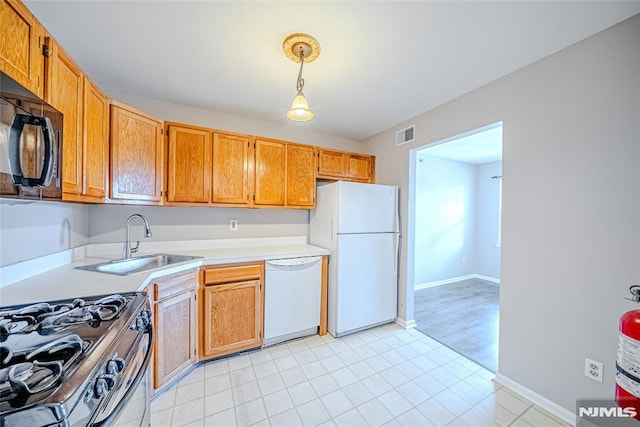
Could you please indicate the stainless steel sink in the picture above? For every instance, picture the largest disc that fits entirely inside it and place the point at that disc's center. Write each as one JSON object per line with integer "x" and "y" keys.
{"x": 124, "y": 267}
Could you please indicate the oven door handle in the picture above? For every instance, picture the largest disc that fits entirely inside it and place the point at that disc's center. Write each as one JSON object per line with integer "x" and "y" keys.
{"x": 134, "y": 385}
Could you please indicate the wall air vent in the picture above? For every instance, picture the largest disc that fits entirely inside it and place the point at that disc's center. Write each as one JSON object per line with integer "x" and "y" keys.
{"x": 406, "y": 135}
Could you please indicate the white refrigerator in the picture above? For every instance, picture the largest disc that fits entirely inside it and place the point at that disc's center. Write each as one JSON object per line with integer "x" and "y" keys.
{"x": 358, "y": 223}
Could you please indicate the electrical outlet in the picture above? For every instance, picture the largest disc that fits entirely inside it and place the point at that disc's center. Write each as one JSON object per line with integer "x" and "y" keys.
{"x": 593, "y": 369}
{"x": 233, "y": 225}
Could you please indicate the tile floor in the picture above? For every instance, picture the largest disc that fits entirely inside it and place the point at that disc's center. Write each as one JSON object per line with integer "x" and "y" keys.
{"x": 383, "y": 376}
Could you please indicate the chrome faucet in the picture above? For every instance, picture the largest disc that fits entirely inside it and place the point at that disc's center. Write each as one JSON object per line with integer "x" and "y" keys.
{"x": 128, "y": 250}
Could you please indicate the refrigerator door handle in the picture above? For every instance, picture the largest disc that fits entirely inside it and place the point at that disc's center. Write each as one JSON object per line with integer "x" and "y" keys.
{"x": 395, "y": 254}
{"x": 332, "y": 233}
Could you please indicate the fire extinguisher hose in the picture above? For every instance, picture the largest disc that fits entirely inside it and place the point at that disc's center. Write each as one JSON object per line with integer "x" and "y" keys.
{"x": 627, "y": 374}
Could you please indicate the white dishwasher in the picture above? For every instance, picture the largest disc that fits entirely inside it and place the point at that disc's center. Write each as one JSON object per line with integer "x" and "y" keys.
{"x": 292, "y": 298}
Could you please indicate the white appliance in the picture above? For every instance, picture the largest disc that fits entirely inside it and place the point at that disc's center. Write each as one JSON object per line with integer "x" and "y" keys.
{"x": 292, "y": 298}
{"x": 358, "y": 223}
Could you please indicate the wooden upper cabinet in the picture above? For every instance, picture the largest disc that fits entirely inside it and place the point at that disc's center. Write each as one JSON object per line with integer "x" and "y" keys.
{"x": 189, "y": 164}
{"x": 231, "y": 169}
{"x": 301, "y": 178}
{"x": 21, "y": 46}
{"x": 95, "y": 138}
{"x": 358, "y": 167}
{"x": 136, "y": 156}
{"x": 333, "y": 164}
{"x": 64, "y": 91}
{"x": 270, "y": 166}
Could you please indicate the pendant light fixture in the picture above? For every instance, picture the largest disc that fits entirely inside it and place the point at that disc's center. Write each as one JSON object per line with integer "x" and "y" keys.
{"x": 300, "y": 48}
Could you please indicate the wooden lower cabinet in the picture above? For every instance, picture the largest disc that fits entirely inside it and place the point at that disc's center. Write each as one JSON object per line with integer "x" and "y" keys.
{"x": 230, "y": 308}
{"x": 174, "y": 314}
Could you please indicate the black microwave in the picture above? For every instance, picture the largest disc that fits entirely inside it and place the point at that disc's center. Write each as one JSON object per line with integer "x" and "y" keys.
{"x": 30, "y": 144}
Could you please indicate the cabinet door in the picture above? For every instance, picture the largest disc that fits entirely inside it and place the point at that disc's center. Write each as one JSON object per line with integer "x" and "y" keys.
{"x": 232, "y": 317}
{"x": 96, "y": 141}
{"x": 21, "y": 46}
{"x": 64, "y": 91}
{"x": 358, "y": 167}
{"x": 270, "y": 164}
{"x": 230, "y": 169}
{"x": 175, "y": 337}
{"x": 301, "y": 177}
{"x": 189, "y": 165}
{"x": 331, "y": 164}
{"x": 136, "y": 156}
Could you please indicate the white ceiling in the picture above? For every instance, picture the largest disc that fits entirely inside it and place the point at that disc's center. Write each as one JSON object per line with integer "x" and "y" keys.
{"x": 476, "y": 147}
{"x": 381, "y": 62}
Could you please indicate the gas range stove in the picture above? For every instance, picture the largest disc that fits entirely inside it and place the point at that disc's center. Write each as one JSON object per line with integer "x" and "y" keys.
{"x": 72, "y": 362}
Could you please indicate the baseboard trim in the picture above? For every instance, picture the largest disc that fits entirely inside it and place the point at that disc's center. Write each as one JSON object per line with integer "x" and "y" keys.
{"x": 406, "y": 324}
{"x": 553, "y": 408}
{"x": 487, "y": 278}
{"x": 453, "y": 280}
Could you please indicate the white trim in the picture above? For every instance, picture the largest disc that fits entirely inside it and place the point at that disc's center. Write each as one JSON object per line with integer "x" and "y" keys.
{"x": 23, "y": 270}
{"x": 453, "y": 280}
{"x": 555, "y": 409}
{"x": 442, "y": 282}
{"x": 487, "y": 278}
{"x": 406, "y": 324}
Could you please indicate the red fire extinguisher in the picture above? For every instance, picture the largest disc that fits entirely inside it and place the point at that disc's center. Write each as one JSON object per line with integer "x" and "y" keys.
{"x": 628, "y": 361}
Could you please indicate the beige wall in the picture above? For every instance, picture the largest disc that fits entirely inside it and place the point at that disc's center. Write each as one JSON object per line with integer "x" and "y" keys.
{"x": 571, "y": 188}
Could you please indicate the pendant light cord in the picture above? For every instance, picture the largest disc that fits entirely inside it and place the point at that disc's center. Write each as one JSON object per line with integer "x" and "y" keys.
{"x": 300, "y": 83}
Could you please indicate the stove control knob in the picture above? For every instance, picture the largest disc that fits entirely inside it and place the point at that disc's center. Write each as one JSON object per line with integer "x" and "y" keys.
{"x": 141, "y": 323}
{"x": 146, "y": 314}
{"x": 100, "y": 388}
{"x": 109, "y": 380}
{"x": 115, "y": 366}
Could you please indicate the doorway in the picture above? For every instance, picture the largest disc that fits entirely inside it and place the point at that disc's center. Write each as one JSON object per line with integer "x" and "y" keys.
{"x": 457, "y": 210}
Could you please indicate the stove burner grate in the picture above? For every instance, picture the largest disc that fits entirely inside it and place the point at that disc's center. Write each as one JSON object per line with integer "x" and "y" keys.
{"x": 47, "y": 318}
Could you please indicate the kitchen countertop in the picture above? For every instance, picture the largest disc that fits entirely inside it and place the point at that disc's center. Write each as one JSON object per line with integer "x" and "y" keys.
{"x": 67, "y": 282}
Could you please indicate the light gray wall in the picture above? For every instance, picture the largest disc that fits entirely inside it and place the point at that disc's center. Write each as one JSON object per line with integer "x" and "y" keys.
{"x": 288, "y": 130}
{"x": 32, "y": 230}
{"x": 106, "y": 223}
{"x": 445, "y": 219}
{"x": 571, "y": 206}
{"x": 486, "y": 253}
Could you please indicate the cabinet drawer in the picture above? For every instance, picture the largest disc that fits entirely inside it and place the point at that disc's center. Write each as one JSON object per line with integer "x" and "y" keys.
{"x": 174, "y": 284}
{"x": 232, "y": 273}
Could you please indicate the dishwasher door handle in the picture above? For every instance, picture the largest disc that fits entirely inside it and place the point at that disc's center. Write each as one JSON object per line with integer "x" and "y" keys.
{"x": 293, "y": 262}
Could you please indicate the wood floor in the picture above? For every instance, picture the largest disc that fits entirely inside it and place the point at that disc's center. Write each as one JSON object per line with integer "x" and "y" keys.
{"x": 463, "y": 316}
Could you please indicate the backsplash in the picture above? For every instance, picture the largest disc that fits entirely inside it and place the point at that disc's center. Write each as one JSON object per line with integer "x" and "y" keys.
{"x": 35, "y": 229}
{"x": 106, "y": 223}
